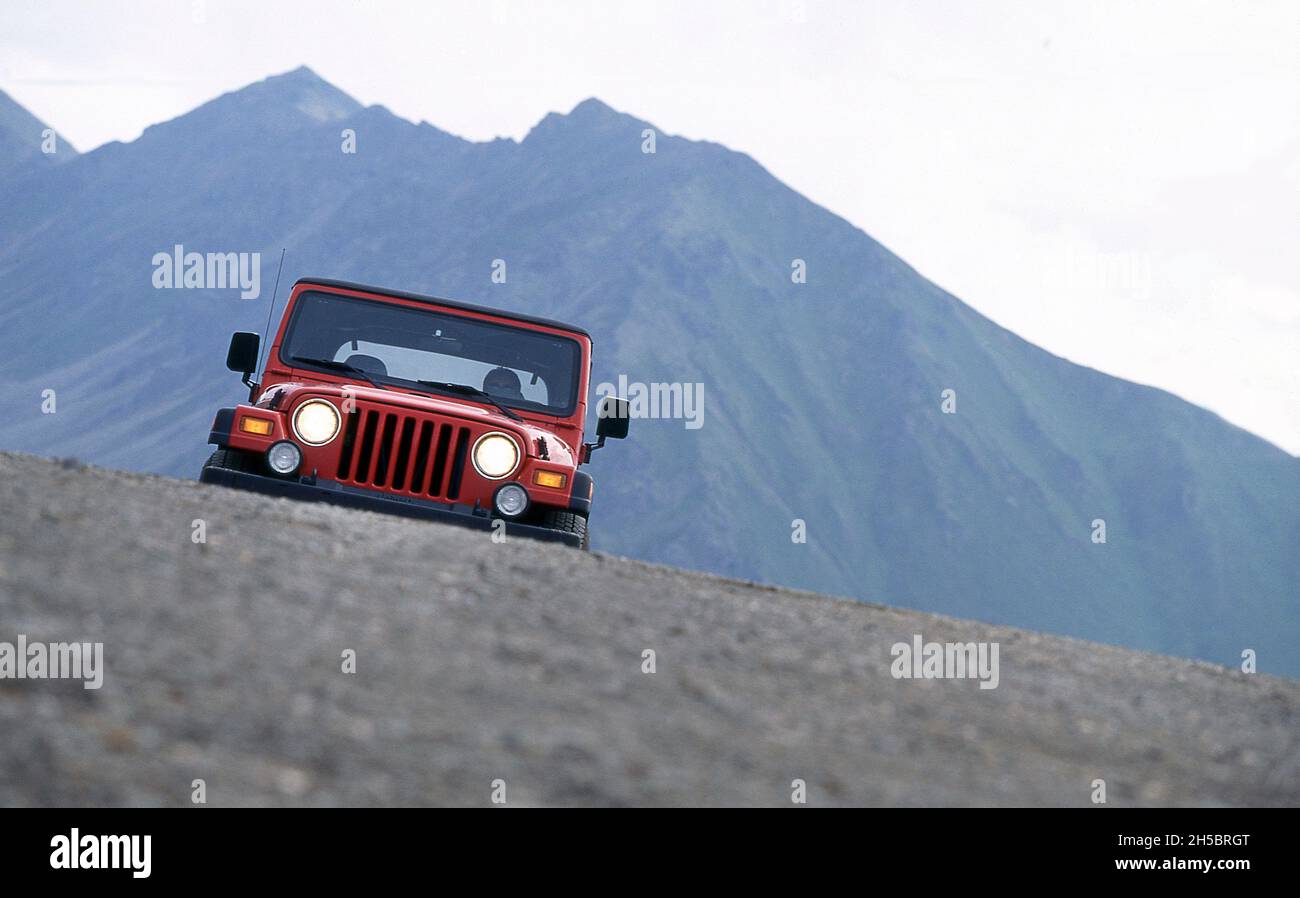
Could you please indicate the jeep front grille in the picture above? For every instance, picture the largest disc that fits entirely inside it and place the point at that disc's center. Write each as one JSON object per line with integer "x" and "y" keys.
{"x": 402, "y": 452}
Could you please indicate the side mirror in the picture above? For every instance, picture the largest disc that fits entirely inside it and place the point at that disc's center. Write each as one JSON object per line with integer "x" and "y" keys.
{"x": 612, "y": 416}
{"x": 612, "y": 419}
{"x": 242, "y": 355}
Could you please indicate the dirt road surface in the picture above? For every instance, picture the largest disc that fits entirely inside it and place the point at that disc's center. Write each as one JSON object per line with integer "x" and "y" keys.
{"x": 523, "y": 663}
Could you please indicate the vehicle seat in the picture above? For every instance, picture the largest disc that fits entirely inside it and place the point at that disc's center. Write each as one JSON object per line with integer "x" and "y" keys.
{"x": 368, "y": 364}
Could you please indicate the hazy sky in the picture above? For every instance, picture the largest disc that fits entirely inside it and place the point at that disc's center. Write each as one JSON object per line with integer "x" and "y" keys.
{"x": 1117, "y": 182}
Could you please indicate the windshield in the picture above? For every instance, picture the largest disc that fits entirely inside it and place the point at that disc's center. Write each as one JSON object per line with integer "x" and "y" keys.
{"x": 401, "y": 345}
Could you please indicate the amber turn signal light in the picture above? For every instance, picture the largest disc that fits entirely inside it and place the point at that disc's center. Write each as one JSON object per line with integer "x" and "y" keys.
{"x": 259, "y": 426}
{"x": 553, "y": 479}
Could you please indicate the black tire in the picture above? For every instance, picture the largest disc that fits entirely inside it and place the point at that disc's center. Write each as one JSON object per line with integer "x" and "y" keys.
{"x": 231, "y": 460}
{"x": 568, "y": 522}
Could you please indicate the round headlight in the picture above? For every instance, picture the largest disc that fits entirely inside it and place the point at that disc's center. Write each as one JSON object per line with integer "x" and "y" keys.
{"x": 316, "y": 422}
{"x": 510, "y": 500}
{"x": 284, "y": 457}
{"x": 495, "y": 455}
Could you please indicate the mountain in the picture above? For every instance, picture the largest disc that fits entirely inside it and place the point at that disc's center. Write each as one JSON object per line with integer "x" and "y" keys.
{"x": 822, "y": 400}
{"x": 22, "y": 138}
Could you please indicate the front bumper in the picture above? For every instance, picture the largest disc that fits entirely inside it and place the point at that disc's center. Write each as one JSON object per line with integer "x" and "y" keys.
{"x": 332, "y": 493}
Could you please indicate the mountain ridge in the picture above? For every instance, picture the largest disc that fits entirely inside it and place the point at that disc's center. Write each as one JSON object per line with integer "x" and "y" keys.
{"x": 822, "y": 398}
{"x": 22, "y": 139}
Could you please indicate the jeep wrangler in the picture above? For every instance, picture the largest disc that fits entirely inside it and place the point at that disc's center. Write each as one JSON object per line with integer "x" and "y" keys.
{"x": 417, "y": 406}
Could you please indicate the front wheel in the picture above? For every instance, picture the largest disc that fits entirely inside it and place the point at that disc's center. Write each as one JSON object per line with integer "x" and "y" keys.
{"x": 568, "y": 522}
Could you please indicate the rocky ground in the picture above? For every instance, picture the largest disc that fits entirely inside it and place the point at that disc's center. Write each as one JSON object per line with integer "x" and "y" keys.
{"x": 522, "y": 663}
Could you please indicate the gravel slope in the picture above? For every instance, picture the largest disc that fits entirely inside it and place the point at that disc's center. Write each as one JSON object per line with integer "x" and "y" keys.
{"x": 522, "y": 662}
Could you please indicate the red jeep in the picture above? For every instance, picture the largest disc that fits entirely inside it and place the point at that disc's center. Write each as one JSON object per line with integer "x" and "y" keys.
{"x": 417, "y": 406}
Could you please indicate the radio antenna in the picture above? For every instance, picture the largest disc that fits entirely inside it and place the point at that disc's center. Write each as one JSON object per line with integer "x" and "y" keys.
{"x": 266, "y": 332}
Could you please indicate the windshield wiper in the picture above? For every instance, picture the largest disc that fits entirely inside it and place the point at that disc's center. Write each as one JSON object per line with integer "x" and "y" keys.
{"x": 336, "y": 366}
{"x": 467, "y": 390}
